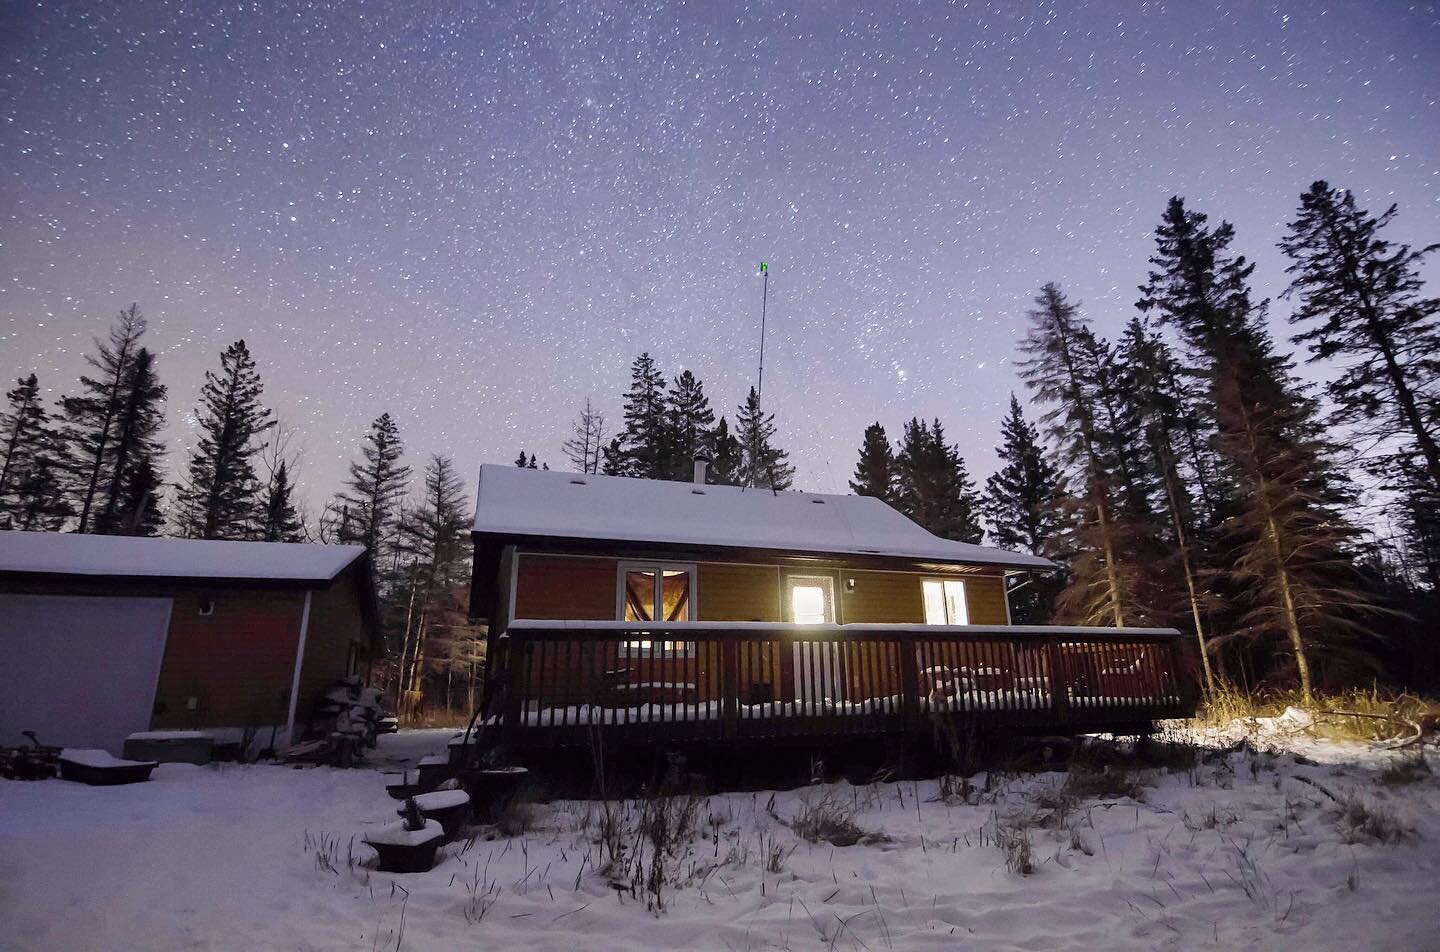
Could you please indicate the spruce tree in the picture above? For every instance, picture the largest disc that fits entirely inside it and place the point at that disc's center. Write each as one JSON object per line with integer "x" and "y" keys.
{"x": 1020, "y": 502}
{"x": 762, "y": 463}
{"x": 139, "y": 510}
{"x": 24, "y": 429}
{"x": 135, "y": 444}
{"x": 1158, "y": 402}
{"x": 875, "y": 471}
{"x": 375, "y": 488}
{"x": 646, "y": 437}
{"x": 1106, "y": 585}
{"x": 586, "y": 446}
{"x": 1291, "y": 550}
{"x": 689, "y": 425}
{"x": 90, "y": 417}
{"x": 613, "y": 461}
{"x": 1361, "y": 301}
{"x": 282, "y": 520}
{"x": 724, "y": 469}
{"x": 221, "y": 498}
{"x": 1022, "y": 506}
{"x": 932, "y": 486}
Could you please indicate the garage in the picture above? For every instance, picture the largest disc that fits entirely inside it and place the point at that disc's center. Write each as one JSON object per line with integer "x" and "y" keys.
{"x": 80, "y": 671}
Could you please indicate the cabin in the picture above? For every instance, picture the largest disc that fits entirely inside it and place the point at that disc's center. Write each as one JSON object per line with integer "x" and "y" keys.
{"x": 660, "y": 612}
{"x": 104, "y": 636}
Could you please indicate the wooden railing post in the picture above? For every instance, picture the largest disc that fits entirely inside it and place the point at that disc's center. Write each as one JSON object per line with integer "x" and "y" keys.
{"x": 1059, "y": 681}
{"x": 729, "y": 687}
{"x": 909, "y": 682}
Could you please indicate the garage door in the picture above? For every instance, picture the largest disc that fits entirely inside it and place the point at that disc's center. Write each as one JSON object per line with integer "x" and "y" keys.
{"x": 79, "y": 672}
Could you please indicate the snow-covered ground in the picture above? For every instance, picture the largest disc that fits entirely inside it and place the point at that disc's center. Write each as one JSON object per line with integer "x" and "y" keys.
{"x": 1239, "y": 852}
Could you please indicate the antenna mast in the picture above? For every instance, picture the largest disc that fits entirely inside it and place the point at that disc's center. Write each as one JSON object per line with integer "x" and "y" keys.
{"x": 764, "y": 302}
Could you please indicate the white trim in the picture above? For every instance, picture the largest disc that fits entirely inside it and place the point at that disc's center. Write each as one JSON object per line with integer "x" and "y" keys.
{"x": 691, "y": 571}
{"x": 513, "y": 581}
{"x": 829, "y": 585}
{"x": 299, "y": 663}
{"x": 965, "y": 593}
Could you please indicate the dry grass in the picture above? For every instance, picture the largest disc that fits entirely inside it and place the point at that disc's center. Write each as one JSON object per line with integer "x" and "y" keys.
{"x": 1405, "y": 770}
{"x": 827, "y": 820}
{"x": 1362, "y": 822}
{"x": 1372, "y": 715}
{"x": 1105, "y": 783}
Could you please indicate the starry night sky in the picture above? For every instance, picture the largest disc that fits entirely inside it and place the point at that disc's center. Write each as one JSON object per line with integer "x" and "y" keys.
{"x": 473, "y": 215}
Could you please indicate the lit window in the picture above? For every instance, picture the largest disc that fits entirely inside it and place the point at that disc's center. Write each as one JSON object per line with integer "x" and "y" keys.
{"x": 945, "y": 602}
{"x": 660, "y": 593}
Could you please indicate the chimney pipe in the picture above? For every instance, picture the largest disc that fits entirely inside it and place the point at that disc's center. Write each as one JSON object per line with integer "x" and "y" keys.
{"x": 700, "y": 465}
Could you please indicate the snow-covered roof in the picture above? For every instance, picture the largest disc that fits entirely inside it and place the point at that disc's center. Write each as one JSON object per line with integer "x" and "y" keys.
{"x": 547, "y": 503}
{"x": 65, "y": 553}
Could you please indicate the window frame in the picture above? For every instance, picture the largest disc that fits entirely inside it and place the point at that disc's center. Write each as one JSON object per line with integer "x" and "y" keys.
{"x": 941, "y": 580}
{"x": 667, "y": 649}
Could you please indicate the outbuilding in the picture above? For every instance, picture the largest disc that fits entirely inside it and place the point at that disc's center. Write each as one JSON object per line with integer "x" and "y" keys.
{"x": 104, "y": 636}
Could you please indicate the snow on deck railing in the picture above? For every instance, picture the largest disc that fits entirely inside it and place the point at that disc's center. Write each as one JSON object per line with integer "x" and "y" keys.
{"x": 780, "y": 627}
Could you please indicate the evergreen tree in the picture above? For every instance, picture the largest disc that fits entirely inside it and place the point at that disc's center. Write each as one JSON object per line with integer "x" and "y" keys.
{"x": 24, "y": 429}
{"x": 375, "y": 488}
{"x": 135, "y": 445}
{"x": 724, "y": 469}
{"x": 221, "y": 498}
{"x": 90, "y": 418}
{"x": 761, "y": 462}
{"x": 139, "y": 508}
{"x": 646, "y": 438}
{"x": 1292, "y": 552}
{"x": 38, "y": 501}
{"x": 689, "y": 426}
{"x": 524, "y": 462}
{"x": 282, "y": 520}
{"x": 1361, "y": 301}
{"x": 1106, "y": 585}
{"x": 1158, "y": 402}
{"x": 612, "y": 459}
{"x": 875, "y": 472}
{"x": 1021, "y": 504}
{"x": 435, "y": 538}
{"x": 1020, "y": 498}
{"x": 585, "y": 448}
{"x": 932, "y": 486}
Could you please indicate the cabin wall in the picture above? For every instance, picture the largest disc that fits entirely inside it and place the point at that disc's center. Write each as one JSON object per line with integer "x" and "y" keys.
{"x": 237, "y": 663}
{"x": 335, "y": 637}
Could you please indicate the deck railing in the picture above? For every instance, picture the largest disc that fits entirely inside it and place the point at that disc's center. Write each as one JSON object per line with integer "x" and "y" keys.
{"x": 717, "y": 681}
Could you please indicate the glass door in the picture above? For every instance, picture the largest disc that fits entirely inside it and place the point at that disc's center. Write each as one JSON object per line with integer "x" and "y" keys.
{"x": 810, "y": 600}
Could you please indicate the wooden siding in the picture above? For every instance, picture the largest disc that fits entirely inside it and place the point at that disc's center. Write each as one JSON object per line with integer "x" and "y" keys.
{"x": 567, "y": 589}
{"x": 738, "y": 592}
{"x": 335, "y": 625}
{"x": 985, "y": 600}
{"x": 237, "y": 662}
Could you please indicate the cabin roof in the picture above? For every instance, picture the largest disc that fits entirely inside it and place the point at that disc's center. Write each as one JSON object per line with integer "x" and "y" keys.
{"x": 558, "y": 505}
{"x": 64, "y": 553}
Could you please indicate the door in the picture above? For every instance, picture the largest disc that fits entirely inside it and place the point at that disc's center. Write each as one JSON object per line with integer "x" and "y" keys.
{"x": 80, "y": 671}
{"x": 811, "y": 601}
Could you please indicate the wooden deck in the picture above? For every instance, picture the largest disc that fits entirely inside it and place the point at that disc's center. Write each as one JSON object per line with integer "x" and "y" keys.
{"x": 662, "y": 684}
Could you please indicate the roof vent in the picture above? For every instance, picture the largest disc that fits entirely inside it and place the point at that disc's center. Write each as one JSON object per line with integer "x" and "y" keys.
{"x": 819, "y": 502}
{"x": 698, "y": 492}
{"x": 578, "y": 482}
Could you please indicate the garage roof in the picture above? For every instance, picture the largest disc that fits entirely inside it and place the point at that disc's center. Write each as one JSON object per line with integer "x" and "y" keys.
{"x": 545, "y": 503}
{"x": 64, "y": 553}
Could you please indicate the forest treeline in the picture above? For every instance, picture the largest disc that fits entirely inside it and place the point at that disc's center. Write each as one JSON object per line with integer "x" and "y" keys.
{"x": 1181, "y": 474}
